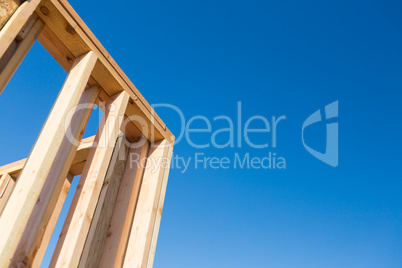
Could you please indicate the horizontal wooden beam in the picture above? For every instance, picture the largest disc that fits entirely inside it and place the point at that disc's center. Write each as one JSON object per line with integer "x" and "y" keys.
{"x": 80, "y": 158}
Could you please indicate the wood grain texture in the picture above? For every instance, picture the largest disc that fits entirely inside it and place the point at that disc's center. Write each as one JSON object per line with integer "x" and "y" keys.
{"x": 76, "y": 227}
{"x": 10, "y": 65}
{"x": 7, "y": 8}
{"x": 15, "y": 23}
{"x": 159, "y": 209}
{"x": 14, "y": 169}
{"x": 100, "y": 223}
{"x": 7, "y": 184}
{"x": 44, "y": 208}
{"x": 32, "y": 178}
{"x": 64, "y": 57}
{"x": 142, "y": 229}
{"x": 76, "y": 37}
{"x": 56, "y": 48}
{"x": 119, "y": 230}
{"x": 114, "y": 217}
{"x": 37, "y": 259}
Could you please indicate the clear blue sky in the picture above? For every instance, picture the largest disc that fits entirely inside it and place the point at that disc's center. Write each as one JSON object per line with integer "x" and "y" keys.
{"x": 278, "y": 58}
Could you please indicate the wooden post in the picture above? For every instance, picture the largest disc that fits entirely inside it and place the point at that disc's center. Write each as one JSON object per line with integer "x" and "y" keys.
{"x": 76, "y": 227}
{"x": 44, "y": 207}
{"x": 29, "y": 185}
{"x": 100, "y": 223}
{"x": 161, "y": 200}
{"x": 120, "y": 225}
{"x": 143, "y": 227}
{"x": 52, "y": 222}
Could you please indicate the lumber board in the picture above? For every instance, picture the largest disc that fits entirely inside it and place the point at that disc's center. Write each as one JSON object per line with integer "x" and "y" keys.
{"x": 7, "y": 8}
{"x": 100, "y": 223}
{"x": 76, "y": 227}
{"x": 122, "y": 218}
{"x": 74, "y": 34}
{"x": 65, "y": 58}
{"x": 142, "y": 230}
{"x": 15, "y": 23}
{"x": 4, "y": 180}
{"x": 12, "y": 61}
{"x": 14, "y": 169}
{"x": 7, "y": 184}
{"x": 33, "y": 176}
{"x": 159, "y": 209}
{"x": 52, "y": 222}
{"x": 44, "y": 207}
{"x": 77, "y": 166}
{"x": 115, "y": 215}
{"x": 56, "y": 48}
{"x": 8, "y": 54}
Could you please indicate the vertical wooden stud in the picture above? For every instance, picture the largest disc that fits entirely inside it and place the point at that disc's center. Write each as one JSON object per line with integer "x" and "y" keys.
{"x": 119, "y": 230}
{"x": 159, "y": 209}
{"x": 75, "y": 230}
{"x": 52, "y": 222}
{"x": 140, "y": 241}
{"x": 44, "y": 207}
{"x": 100, "y": 223}
{"x": 14, "y": 218}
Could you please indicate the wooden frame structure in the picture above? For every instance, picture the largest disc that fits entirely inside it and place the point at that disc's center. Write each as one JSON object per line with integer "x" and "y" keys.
{"x": 115, "y": 214}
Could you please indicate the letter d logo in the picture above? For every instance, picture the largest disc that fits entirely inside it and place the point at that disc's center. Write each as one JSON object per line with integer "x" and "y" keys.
{"x": 331, "y": 152}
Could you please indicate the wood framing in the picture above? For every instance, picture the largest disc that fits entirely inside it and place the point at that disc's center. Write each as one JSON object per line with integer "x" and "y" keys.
{"x": 115, "y": 245}
{"x": 7, "y": 9}
{"x": 149, "y": 205}
{"x": 114, "y": 218}
{"x": 6, "y": 187}
{"x": 18, "y": 49}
